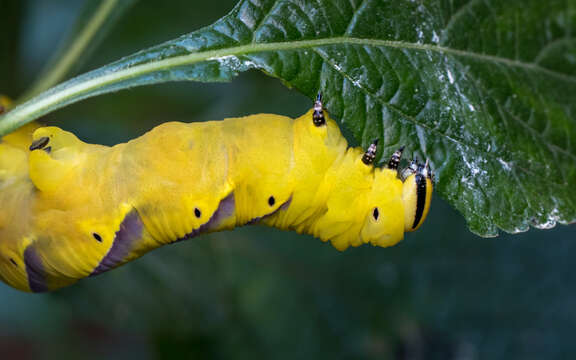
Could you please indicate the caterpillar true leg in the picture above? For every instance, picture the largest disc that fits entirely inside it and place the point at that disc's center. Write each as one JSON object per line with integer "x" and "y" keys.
{"x": 318, "y": 114}
{"x": 370, "y": 154}
{"x": 395, "y": 159}
{"x": 409, "y": 170}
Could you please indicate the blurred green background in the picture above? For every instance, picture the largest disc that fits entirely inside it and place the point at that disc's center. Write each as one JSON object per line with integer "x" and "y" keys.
{"x": 443, "y": 293}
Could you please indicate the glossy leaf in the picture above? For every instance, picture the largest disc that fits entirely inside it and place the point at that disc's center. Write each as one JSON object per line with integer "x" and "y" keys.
{"x": 484, "y": 89}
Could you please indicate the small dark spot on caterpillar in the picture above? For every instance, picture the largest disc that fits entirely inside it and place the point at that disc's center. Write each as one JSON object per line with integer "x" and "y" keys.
{"x": 375, "y": 213}
{"x": 39, "y": 143}
{"x": 13, "y": 262}
{"x": 197, "y": 212}
{"x": 48, "y": 149}
{"x": 271, "y": 201}
{"x": 97, "y": 237}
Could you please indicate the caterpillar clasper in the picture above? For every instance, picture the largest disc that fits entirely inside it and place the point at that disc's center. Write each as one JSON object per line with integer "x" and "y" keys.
{"x": 72, "y": 210}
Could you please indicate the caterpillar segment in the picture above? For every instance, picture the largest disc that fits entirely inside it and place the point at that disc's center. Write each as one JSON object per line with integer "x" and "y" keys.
{"x": 72, "y": 210}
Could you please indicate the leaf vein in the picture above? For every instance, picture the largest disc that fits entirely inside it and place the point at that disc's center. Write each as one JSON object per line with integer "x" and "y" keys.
{"x": 355, "y": 16}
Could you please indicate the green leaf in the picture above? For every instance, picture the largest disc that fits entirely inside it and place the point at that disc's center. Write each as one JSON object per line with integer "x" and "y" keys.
{"x": 485, "y": 89}
{"x": 91, "y": 27}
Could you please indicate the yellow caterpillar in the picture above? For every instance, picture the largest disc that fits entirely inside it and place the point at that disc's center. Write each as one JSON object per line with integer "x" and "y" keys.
{"x": 70, "y": 210}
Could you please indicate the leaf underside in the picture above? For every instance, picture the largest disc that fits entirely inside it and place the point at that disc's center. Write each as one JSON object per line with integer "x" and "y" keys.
{"x": 483, "y": 88}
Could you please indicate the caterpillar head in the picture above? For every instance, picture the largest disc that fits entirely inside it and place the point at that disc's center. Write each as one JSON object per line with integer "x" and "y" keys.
{"x": 416, "y": 194}
{"x": 412, "y": 204}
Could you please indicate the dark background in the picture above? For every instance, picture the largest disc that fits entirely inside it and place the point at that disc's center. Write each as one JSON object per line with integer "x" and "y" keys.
{"x": 443, "y": 293}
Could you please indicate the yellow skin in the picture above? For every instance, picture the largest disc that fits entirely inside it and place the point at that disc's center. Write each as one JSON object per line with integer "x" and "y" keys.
{"x": 71, "y": 209}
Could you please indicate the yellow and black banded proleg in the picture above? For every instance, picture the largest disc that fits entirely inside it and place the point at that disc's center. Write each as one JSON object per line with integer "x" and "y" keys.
{"x": 72, "y": 210}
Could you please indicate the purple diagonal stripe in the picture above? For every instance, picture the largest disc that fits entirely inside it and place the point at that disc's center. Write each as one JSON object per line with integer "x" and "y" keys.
{"x": 130, "y": 231}
{"x": 226, "y": 209}
{"x": 35, "y": 270}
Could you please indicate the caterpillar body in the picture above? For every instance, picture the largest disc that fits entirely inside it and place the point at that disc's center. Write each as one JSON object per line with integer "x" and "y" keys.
{"x": 71, "y": 210}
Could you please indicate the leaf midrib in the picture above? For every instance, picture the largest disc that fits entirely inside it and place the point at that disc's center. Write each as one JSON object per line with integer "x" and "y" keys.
{"x": 39, "y": 106}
